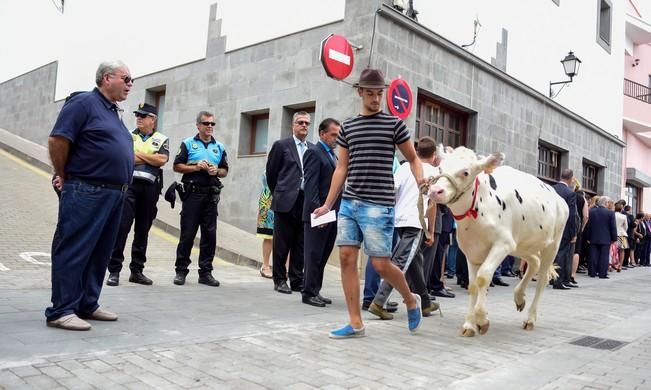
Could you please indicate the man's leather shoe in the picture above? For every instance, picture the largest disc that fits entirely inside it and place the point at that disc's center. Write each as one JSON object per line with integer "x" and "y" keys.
{"x": 604, "y": 277}
{"x": 561, "y": 286}
{"x": 365, "y": 305}
{"x": 571, "y": 285}
{"x": 140, "y": 278}
{"x": 208, "y": 280}
{"x": 69, "y": 322}
{"x": 113, "y": 279}
{"x": 325, "y": 300}
{"x": 509, "y": 274}
{"x": 179, "y": 279}
{"x": 443, "y": 293}
{"x": 500, "y": 282}
{"x": 282, "y": 288}
{"x": 100, "y": 315}
{"x": 314, "y": 301}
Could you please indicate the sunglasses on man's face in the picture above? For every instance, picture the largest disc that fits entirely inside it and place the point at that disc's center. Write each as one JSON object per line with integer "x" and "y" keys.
{"x": 303, "y": 123}
{"x": 126, "y": 78}
{"x": 211, "y": 124}
{"x": 139, "y": 115}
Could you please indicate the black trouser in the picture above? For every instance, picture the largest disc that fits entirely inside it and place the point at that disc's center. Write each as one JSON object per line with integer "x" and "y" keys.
{"x": 462, "y": 269}
{"x": 288, "y": 240}
{"x": 435, "y": 282}
{"x": 199, "y": 209}
{"x": 599, "y": 260}
{"x": 564, "y": 261}
{"x": 139, "y": 205}
{"x": 408, "y": 256}
{"x": 319, "y": 242}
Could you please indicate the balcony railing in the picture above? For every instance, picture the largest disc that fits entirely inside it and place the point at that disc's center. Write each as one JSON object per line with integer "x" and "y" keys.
{"x": 637, "y": 91}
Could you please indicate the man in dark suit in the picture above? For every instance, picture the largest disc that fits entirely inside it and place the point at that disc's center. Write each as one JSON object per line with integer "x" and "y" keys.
{"x": 564, "y": 255}
{"x": 285, "y": 179}
{"x": 319, "y": 164}
{"x": 601, "y": 232}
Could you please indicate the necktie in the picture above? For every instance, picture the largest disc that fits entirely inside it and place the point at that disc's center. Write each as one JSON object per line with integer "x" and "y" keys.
{"x": 301, "y": 149}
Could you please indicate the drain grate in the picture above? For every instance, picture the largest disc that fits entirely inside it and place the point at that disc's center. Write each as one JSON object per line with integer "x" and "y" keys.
{"x": 598, "y": 343}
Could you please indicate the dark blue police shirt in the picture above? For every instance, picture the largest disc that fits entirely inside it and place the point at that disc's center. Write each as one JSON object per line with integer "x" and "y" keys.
{"x": 101, "y": 146}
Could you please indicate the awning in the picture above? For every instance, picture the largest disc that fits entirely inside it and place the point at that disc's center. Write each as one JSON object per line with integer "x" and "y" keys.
{"x": 637, "y": 178}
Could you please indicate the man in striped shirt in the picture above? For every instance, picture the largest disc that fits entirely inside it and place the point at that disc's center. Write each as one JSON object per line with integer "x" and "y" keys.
{"x": 367, "y": 146}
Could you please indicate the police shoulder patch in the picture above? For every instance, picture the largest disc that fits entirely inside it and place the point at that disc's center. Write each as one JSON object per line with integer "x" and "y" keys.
{"x": 195, "y": 146}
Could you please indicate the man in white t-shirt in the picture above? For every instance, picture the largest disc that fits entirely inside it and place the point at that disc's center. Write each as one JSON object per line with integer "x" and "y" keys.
{"x": 407, "y": 254}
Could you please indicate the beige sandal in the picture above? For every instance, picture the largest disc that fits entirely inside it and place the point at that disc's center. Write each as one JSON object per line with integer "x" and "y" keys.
{"x": 266, "y": 274}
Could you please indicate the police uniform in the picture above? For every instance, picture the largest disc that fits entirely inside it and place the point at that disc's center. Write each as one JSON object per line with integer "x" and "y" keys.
{"x": 139, "y": 204}
{"x": 202, "y": 192}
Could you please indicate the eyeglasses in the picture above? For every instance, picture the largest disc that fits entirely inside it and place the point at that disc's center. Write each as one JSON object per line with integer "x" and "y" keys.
{"x": 211, "y": 124}
{"x": 302, "y": 123}
{"x": 139, "y": 115}
{"x": 126, "y": 78}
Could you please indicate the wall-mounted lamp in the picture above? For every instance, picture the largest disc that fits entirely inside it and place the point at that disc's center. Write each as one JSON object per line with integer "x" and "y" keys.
{"x": 636, "y": 62}
{"x": 571, "y": 66}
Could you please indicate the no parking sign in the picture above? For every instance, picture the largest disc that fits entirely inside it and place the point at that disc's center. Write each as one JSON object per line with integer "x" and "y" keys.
{"x": 399, "y": 98}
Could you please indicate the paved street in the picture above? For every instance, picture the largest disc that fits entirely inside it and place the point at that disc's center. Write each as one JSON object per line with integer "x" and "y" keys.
{"x": 244, "y": 335}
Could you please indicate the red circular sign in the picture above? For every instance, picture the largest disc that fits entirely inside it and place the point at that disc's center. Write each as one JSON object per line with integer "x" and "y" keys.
{"x": 337, "y": 56}
{"x": 399, "y": 98}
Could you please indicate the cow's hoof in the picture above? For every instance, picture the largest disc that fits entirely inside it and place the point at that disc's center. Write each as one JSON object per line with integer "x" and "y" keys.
{"x": 484, "y": 328}
{"x": 468, "y": 333}
{"x": 520, "y": 306}
{"x": 527, "y": 325}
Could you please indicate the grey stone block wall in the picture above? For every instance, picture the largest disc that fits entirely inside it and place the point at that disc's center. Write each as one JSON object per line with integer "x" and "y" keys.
{"x": 286, "y": 72}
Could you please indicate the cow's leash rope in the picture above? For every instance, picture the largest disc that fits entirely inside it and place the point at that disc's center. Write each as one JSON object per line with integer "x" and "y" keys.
{"x": 458, "y": 193}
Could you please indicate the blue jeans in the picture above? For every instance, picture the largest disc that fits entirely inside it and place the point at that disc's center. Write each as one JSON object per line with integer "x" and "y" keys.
{"x": 451, "y": 261}
{"x": 89, "y": 219}
{"x": 360, "y": 221}
{"x": 372, "y": 279}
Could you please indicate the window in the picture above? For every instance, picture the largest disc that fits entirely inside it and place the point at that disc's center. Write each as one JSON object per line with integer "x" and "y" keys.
{"x": 443, "y": 123}
{"x": 590, "y": 178}
{"x": 604, "y": 21}
{"x": 254, "y": 133}
{"x": 160, "y": 105}
{"x": 549, "y": 163}
{"x": 156, "y": 97}
{"x": 259, "y": 133}
{"x": 633, "y": 195}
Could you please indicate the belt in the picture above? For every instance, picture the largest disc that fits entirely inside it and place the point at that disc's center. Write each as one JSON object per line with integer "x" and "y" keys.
{"x": 119, "y": 187}
{"x": 200, "y": 190}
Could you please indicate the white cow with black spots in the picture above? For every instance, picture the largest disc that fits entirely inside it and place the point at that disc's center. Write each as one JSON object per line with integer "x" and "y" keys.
{"x": 500, "y": 211}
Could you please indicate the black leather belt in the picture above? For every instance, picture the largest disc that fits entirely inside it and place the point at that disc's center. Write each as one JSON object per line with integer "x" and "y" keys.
{"x": 119, "y": 187}
{"x": 200, "y": 189}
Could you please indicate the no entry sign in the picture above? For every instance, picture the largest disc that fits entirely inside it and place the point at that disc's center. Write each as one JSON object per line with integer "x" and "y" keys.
{"x": 399, "y": 98}
{"x": 336, "y": 56}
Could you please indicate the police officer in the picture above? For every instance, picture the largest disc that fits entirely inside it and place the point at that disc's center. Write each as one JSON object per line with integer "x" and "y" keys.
{"x": 202, "y": 161}
{"x": 151, "y": 150}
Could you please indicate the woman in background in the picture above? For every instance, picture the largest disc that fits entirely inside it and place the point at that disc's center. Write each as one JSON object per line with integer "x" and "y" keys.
{"x": 265, "y": 227}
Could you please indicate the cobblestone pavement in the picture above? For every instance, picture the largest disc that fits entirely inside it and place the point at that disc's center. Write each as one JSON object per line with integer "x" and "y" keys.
{"x": 244, "y": 335}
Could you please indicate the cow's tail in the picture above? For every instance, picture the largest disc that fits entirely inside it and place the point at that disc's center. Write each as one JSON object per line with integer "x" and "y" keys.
{"x": 551, "y": 272}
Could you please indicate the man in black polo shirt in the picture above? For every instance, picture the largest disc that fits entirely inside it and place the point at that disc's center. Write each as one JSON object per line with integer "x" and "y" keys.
{"x": 92, "y": 155}
{"x": 202, "y": 161}
{"x": 151, "y": 150}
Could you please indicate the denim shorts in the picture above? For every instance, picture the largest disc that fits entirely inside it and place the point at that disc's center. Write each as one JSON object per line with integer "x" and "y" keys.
{"x": 361, "y": 221}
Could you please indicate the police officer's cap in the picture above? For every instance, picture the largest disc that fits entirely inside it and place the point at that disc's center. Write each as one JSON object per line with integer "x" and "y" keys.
{"x": 146, "y": 108}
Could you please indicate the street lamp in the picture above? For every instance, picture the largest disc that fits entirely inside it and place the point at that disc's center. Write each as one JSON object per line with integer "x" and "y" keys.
{"x": 571, "y": 66}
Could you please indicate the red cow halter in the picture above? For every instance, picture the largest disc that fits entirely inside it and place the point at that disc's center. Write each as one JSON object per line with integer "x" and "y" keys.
{"x": 471, "y": 211}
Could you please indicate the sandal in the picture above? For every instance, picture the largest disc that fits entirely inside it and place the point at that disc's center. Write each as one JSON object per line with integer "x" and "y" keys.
{"x": 266, "y": 273}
